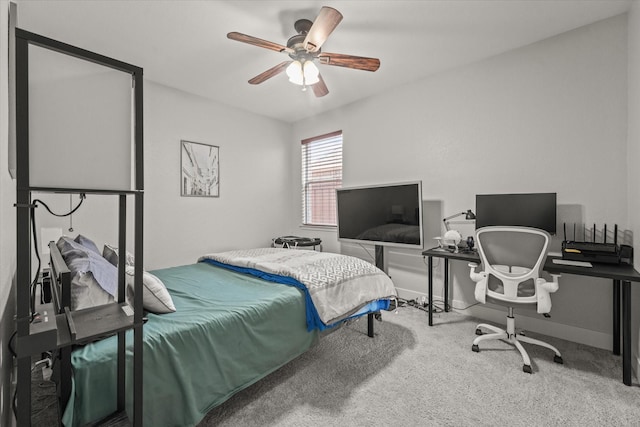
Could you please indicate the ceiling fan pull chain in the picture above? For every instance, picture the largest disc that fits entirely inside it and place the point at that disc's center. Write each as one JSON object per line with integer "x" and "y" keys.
{"x": 71, "y": 215}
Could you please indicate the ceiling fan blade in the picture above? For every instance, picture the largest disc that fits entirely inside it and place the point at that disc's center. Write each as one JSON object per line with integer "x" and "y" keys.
{"x": 327, "y": 20}
{"x": 349, "y": 61}
{"x": 258, "y": 42}
{"x": 320, "y": 89}
{"x": 270, "y": 73}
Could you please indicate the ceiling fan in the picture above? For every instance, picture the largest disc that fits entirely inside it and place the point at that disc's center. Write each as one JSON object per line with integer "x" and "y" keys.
{"x": 304, "y": 50}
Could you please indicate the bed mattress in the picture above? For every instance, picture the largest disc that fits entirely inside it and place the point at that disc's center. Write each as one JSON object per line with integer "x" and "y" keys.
{"x": 229, "y": 331}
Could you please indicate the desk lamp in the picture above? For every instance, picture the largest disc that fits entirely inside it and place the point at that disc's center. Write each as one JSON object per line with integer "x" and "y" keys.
{"x": 453, "y": 235}
{"x": 468, "y": 215}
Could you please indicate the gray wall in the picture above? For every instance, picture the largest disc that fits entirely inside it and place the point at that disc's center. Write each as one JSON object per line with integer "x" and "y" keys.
{"x": 536, "y": 119}
{"x": 254, "y": 178}
{"x": 254, "y": 183}
{"x": 633, "y": 195}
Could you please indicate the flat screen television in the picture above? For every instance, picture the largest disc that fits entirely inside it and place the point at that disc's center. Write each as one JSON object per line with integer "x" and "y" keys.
{"x": 536, "y": 210}
{"x": 385, "y": 215}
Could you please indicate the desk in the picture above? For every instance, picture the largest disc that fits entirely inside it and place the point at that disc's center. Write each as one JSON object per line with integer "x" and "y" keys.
{"x": 446, "y": 256}
{"x": 618, "y": 273}
{"x": 621, "y": 274}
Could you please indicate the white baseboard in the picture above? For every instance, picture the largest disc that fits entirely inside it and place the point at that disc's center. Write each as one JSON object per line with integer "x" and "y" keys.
{"x": 539, "y": 324}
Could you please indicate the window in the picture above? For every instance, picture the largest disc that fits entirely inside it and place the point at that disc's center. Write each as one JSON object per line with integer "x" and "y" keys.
{"x": 321, "y": 175}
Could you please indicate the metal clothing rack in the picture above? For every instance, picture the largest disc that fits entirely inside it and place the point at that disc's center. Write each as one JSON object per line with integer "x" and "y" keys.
{"x": 65, "y": 327}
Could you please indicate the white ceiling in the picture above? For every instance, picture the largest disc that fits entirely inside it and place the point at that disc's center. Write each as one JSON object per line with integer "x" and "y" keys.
{"x": 183, "y": 44}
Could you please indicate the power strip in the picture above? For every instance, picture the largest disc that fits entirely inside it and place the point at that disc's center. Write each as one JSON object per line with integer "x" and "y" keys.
{"x": 43, "y": 332}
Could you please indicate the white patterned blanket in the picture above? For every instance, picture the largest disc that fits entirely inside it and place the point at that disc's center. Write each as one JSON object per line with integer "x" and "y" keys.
{"x": 339, "y": 285}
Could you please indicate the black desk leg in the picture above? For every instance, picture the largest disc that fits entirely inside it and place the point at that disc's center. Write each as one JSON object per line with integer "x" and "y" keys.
{"x": 430, "y": 292}
{"x": 616, "y": 317}
{"x": 446, "y": 284}
{"x": 626, "y": 332}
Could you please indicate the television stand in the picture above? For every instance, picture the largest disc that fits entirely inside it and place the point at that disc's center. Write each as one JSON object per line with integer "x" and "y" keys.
{"x": 380, "y": 257}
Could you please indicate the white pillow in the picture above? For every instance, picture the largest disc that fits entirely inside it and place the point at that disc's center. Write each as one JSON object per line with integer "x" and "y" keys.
{"x": 155, "y": 297}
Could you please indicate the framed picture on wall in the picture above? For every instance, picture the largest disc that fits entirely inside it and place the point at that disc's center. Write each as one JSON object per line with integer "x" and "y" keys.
{"x": 200, "y": 175}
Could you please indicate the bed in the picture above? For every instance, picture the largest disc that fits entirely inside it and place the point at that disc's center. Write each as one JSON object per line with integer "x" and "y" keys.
{"x": 233, "y": 325}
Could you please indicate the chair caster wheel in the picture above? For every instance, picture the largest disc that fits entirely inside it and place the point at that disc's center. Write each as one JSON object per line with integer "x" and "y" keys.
{"x": 558, "y": 359}
{"x": 478, "y": 331}
{"x": 475, "y": 348}
{"x": 527, "y": 369}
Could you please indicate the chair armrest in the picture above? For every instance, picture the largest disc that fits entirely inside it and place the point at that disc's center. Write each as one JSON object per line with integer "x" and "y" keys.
{"x": 543, "y": 289}
{"x": 552, "y": 286}
{"x": 476, "y": 277}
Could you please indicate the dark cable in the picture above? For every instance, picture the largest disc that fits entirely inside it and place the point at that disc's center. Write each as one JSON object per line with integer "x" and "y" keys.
{"x": 82, "y": 197}
{"x": 11, "y": 349}
{"x": 15, "y": 399}
{"x": 416, "y": 304}
{"x": 34, "y": 283}
{"x": 14, "y": 354}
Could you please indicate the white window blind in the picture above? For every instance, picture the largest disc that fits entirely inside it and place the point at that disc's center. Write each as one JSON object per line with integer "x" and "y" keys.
{"x": 321, "y": 176}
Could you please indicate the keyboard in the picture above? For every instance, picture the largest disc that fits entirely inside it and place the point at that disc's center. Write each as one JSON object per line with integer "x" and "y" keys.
{"x": 571, "y": 262}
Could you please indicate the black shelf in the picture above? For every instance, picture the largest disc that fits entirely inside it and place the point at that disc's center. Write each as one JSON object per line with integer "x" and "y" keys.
{"x": 85, "y": 326}
{"x": 82, "y": 190}
{"x": 62, "y": 328}
{"x": 97, "y": 322}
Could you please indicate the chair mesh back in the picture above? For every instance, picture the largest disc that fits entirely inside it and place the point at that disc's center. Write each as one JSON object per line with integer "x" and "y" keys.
{"x": 511, "y": 248}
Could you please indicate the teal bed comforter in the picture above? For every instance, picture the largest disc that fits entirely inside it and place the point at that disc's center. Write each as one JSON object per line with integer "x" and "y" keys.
{"x": 229, "y": 331}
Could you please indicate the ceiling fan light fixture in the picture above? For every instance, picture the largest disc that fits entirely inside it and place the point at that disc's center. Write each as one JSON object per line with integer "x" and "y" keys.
{"x": 303, "y": 73}
{"x": 311, "y": 73}
{"x": 294, "y": 71}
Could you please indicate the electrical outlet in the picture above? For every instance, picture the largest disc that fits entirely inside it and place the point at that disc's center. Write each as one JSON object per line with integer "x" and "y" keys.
{"x": 46, "y": 373}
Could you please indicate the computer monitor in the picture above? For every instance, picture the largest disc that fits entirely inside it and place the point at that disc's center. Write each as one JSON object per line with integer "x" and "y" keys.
{"x": 536, "y": 210}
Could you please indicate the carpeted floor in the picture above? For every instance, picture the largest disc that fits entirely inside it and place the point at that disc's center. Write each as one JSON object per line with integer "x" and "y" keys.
{"x": 44, "y": 400}
{"x": 412, "y": 374}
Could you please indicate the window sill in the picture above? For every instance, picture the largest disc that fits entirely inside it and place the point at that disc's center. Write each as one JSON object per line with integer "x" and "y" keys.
{"x": 318, "y": 227}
